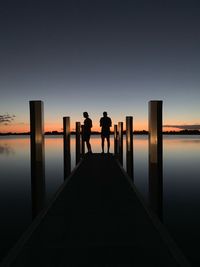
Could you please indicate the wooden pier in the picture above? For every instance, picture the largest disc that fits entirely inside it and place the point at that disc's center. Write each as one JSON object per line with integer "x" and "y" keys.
{"x": 97, "y": 218}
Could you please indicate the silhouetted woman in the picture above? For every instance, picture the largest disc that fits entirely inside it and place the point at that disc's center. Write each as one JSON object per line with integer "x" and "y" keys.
{"x": 87, "y": 131}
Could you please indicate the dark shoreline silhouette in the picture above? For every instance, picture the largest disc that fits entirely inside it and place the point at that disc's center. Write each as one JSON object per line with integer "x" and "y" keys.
{"x": 181, "y": 132}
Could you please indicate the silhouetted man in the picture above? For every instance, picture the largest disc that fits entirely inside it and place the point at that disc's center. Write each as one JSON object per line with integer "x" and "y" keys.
{"x": 87, "y": 131}
{"x": 105, "y": 123}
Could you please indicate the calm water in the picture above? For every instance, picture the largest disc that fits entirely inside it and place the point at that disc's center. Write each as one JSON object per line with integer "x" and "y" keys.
{"x": 181, "y": 178}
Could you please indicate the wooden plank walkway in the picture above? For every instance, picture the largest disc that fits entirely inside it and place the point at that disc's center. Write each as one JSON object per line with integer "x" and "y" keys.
{"x": 98, "y": 219}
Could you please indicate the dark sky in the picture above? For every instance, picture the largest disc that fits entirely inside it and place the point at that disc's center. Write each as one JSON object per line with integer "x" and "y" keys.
{"x": 98, "y": 55}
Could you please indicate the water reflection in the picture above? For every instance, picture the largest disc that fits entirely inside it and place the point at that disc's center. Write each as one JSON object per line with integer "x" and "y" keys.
{"x": 181, "y": 183}
{"x": 6, "y": 149}
{"x": 190, "y": 141}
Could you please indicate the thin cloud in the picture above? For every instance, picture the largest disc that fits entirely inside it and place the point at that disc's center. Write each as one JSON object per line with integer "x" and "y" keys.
{"x": 6, "y": 118}
{"x": 184, "y": 127}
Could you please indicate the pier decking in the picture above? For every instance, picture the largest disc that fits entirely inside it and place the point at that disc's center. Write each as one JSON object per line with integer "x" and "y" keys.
{"x": 96, "y": 218}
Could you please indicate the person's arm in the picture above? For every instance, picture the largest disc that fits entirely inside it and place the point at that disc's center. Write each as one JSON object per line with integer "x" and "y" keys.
{"x": 100, "y": 122}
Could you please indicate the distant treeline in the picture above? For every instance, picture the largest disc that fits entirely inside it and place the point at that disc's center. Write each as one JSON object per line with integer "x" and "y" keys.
{"x": 181, "y": 132}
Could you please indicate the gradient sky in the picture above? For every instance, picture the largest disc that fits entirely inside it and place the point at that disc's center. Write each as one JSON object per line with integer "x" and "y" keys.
{"x": 96, "y": 55}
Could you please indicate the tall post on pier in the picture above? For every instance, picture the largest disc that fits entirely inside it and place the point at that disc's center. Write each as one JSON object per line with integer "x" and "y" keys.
{"x": 82, "y": 141}
{"x": 120, "y": 141}
{"x": 37, "y": 156}
{"x": 155, "y": 157}
{"x": 115, "y": 140}
{"x": 129, "y": 145}
{"x": 66, "y": 148}
{"x": 78, "y": 142}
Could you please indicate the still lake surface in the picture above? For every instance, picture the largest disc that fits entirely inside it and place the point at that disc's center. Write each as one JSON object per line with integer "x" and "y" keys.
{"x": 181, "y": 184}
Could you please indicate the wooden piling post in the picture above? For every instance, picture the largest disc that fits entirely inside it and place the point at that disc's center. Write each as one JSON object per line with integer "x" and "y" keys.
{"x": 129, "y": 145}
{"x": 120, "y": 141}
{"x": 78, "y": 142}
{"x": 37, "y": 156}
{"x": 66, "y": 148}
{"x": 155, "y": 157}
{"x": 82, "y": 141}
{"x": 115, "y": 140}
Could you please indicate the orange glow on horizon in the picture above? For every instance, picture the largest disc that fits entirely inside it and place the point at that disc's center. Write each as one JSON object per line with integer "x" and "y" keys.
{"x": 168, "y": 129}
{"x": 57, "y": 126}
{"x": 15, "y": 128}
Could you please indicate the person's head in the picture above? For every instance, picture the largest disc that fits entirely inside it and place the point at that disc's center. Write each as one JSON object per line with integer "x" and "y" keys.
{"x": 105, "y": 114}
{"x": 85, "y": 114}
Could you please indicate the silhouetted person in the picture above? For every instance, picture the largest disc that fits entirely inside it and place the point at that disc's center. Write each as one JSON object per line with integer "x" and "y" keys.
{"x": 87, "y": 131}
{"x": 105, "y": 123}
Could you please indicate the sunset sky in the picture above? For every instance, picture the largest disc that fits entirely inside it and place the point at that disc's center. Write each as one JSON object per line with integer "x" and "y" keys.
{"x": 99, "y": 55}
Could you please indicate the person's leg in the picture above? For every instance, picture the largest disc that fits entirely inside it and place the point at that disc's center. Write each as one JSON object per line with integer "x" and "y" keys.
{"x": 102, "y": 143}
{"x": 108, "y": 143}
{"x": 88, "y": 145}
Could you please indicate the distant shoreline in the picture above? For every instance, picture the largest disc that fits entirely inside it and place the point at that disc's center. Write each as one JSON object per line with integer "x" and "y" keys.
{"x": 182, "y": 132}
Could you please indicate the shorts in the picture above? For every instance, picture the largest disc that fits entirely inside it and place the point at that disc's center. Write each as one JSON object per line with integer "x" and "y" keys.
{"x": 86, "y": 136}
{"x": 105, "y": 134}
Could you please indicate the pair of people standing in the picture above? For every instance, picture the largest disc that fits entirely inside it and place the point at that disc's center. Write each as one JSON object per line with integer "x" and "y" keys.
{"x": 105, "y": 124}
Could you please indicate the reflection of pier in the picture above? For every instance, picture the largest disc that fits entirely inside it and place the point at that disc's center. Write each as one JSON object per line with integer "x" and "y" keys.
{"x": 97, "y": 215}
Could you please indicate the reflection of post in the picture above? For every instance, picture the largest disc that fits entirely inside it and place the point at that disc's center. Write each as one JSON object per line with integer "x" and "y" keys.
{"x": 120, "y": 141}
{"x": 66, "y": 148}
{"x": 37, "y": 156}
{"x": 115, "y": 140}
{"x": 129, "y": 145}
{"x": 155, "y": 157}
{"x": 78, "y": 144}
{"x": 82, "y": 141}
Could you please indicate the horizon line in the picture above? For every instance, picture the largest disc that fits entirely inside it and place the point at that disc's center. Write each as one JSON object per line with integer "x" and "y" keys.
{"x": 54, "y": 132}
